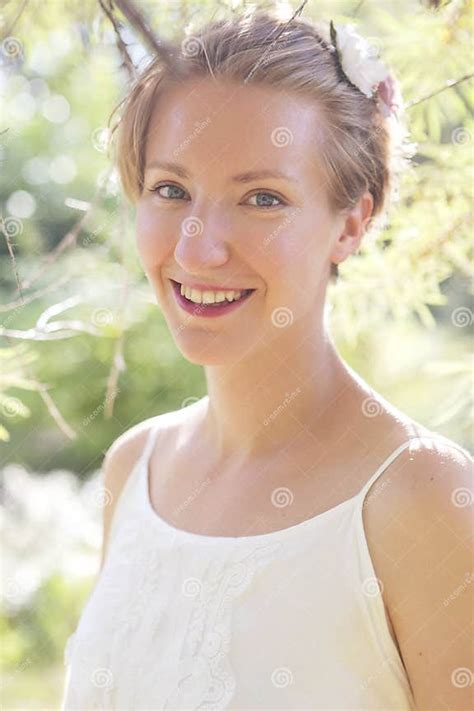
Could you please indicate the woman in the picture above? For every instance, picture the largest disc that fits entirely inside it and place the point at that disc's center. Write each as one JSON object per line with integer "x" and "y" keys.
{"x": 244, "y": 565}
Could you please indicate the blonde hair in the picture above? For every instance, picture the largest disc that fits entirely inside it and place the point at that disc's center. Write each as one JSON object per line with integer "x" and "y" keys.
{"x": 359, "y": 146}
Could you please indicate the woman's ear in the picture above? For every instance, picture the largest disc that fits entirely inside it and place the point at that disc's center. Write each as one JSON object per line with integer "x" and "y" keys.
{"x": 353, "y": 229}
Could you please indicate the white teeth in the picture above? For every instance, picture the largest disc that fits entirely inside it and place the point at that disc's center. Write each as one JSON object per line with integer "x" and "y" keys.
{"x": 209, "y": 297}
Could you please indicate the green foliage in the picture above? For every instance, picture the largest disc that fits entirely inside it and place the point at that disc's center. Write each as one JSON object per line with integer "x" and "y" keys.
{"x": 415, "y": 262}
{"x": 33, "y": 642}
{"x": 39, "y": 631}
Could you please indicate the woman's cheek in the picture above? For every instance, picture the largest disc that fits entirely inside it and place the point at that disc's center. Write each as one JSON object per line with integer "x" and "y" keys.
{"x": 284, "y": 248}
{"x": 150, "y": 238}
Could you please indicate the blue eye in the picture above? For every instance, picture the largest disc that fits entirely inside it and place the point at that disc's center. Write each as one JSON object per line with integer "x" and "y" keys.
{"x": 265, "y": 205}
{"x": 268, "y": 196}
{"x": 165, "y": 185}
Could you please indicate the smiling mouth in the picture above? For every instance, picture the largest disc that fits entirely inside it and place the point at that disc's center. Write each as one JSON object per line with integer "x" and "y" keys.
{"x": 244, "y": 293}
{"x": 210, "y": 309}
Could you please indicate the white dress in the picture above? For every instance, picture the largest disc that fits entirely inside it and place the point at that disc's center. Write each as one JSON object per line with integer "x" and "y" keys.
{"x": 292, "y": 619}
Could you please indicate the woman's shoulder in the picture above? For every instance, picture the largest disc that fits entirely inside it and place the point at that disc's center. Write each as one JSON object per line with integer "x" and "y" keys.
{"x": 385, "y": 423}
{"x": 123, "y": 454}
{"x": 125, "y": 450}
{"x": 415, "y": 530}
{"x": 426, "y": 446}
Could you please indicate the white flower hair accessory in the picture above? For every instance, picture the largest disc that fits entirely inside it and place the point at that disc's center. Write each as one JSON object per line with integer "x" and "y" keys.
{"x": 364, "y": 70}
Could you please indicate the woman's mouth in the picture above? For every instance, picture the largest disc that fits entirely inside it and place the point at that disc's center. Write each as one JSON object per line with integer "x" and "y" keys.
{"x": 208, "y": 310}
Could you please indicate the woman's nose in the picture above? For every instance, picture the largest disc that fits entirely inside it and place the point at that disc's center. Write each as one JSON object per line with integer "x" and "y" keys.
{"x": 202, "y": 243}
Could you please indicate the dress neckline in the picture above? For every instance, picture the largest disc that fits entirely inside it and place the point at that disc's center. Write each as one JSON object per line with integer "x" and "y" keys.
{"x": 156, "y": 519}
{"x": 183, "y": 534}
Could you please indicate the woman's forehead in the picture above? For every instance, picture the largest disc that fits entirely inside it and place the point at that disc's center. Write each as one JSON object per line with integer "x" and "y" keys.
{"x": 238, "y": 127}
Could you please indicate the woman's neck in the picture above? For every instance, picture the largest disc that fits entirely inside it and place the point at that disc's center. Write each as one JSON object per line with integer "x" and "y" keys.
{"x": 262, "y": 404}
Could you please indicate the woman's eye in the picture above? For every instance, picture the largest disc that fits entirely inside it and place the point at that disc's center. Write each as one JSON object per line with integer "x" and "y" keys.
{"x": 265, "y": 203}
{"x": 267, "y": 198}
{"x": 166, "y": 185}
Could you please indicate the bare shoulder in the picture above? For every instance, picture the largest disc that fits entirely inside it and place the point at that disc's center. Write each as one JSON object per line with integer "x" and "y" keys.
{"x": 122, "y": 456}
{"x": 124, "y": 452}
{"x": 118, "y": 463}
{"x": 427, "y": 478}
{"x": 419, "y": 532}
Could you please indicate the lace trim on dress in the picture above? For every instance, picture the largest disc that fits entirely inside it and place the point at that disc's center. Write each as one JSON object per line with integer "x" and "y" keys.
{"x": 205, "y": 678}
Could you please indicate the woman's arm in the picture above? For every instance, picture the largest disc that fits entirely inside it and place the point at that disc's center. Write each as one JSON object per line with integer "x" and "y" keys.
{"x": 425, "y": 559}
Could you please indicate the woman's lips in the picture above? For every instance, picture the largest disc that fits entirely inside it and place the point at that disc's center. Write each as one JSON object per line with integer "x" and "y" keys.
{"x": 210, "y": 287}
{"x": 208, "y": 310}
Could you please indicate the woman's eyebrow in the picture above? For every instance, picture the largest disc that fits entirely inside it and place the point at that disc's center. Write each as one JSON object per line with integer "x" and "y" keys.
{"x": 246, "y": 177}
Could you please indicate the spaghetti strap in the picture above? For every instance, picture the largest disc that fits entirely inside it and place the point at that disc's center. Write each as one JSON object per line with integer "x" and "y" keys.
{"x": 158, "y": 423}
{"x": 199, "y": 604}
{"x": 440, "y": 438}
{"x": 150, "y": 441}
{"x": 133, "y": 480}
{"x": 384, "y": 466}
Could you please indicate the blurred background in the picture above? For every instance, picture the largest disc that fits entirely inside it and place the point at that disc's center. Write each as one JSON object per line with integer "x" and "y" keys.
{"x": 85, "y": 352}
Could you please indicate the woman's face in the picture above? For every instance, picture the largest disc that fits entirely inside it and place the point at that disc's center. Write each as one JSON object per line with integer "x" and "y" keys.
{"x": 272, "y": 234}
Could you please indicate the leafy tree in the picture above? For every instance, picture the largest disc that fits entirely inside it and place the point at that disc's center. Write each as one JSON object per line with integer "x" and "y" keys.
{"x": 76, "y": 305}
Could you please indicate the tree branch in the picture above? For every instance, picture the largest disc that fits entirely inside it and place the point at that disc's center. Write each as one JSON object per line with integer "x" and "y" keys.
{"x": 69, "y": 239}
{"x": 4, "y": 229}
{"x": 8, "y": 31}
{"x": 118, "y": 362}
{"x": 46, "y": 331}
{"x": 448, "y": 85}
{"x": 13, "y": 305}
{"x": 297, "y": 12}
{"x": 357, "y": 8}
{"x": 122, "y": 47}
{"x": 139, "y": 24}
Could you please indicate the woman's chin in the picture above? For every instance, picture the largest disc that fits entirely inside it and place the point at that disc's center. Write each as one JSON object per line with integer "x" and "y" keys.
{"x": 206, "y": 348}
